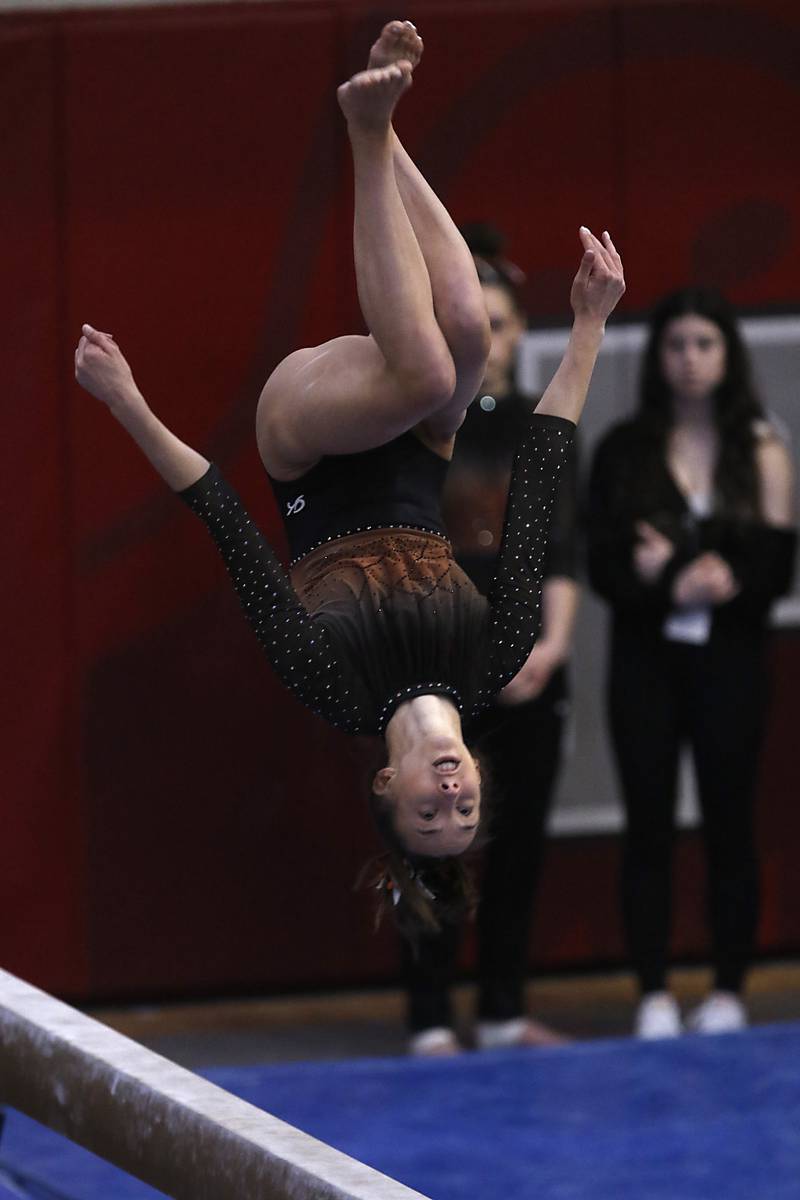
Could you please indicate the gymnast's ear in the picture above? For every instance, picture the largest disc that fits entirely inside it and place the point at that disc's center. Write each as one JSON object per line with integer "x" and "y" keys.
{"x": 381, "y": 780}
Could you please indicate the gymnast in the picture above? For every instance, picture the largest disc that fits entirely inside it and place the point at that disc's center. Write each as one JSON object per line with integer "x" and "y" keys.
{"x": 376, "y": 629}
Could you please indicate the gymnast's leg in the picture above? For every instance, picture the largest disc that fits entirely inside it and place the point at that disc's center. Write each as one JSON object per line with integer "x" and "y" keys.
{"x": 457, "y": 295}
{"x": 354, "y": 393}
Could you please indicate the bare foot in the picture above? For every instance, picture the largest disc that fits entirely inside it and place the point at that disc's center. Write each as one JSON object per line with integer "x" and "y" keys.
{"x": 368, "y": 99}
{"x": 398, "y": 41}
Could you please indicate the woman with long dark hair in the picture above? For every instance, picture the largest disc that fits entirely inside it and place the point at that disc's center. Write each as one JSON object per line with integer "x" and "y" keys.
{"x": 690, "y": 541}
{"x": 379, "y": 631}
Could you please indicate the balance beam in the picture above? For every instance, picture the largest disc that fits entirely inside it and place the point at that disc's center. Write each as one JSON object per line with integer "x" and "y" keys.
{"x": 177, "y": 1132}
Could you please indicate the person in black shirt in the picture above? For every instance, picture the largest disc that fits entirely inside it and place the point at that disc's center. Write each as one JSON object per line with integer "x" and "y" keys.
{"x": 379, "y": 631}
{"x": 518, "y": 738}
{"x": 690, "y": 541}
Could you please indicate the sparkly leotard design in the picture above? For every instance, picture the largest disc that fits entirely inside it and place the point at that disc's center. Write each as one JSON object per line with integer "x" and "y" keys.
{"x": 379, "y": 616}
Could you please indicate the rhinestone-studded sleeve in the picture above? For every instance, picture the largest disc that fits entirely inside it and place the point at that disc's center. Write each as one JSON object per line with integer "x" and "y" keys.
{"x": 298, "y": 647}
{"x": 516, "y": 591}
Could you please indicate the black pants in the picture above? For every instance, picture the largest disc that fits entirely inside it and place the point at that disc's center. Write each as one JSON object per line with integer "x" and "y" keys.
{"x": 661, "y": 695}
{"x": 521, "y": 748}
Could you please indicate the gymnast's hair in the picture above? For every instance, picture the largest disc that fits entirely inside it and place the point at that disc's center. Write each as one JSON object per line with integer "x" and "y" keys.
{"x": 738, "y": 414}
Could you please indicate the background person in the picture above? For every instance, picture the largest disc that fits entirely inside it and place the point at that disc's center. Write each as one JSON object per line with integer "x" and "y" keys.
{"x": 519, "y": 738}
{"x": 690, "y": 541}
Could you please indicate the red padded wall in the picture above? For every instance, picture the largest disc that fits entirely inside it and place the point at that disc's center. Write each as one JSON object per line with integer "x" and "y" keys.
{"x": 172, "y": 822}
{"x": 42, "y": 815}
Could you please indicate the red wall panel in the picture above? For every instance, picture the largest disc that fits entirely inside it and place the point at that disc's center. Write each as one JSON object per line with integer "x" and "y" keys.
{"x": 42, "y": 869}
{"x": 213, "y": 212}
{"x": 172, "y": 821}
{"x": 708, "y": 95}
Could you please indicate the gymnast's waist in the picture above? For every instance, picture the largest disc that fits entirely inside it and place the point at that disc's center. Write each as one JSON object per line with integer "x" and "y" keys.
{"x": 307, "y": 529}
{"x": 371, "y": 542}
{"x": 394, "y": 486}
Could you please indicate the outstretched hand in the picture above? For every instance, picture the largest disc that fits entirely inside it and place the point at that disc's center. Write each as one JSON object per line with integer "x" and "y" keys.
{"x": 600, "y": 281}
{"x": 102, "y": 370}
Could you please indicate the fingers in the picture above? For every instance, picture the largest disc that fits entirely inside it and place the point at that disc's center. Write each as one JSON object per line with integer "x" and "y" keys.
{"x": 612, "y": 248}
{"x": 585, "y": 268}
{"x": 590, "y": 242}
{"x": 92, "y": 339}
{"x": 592, "y": 258}
{"x": 90, "y": 343}
{"x": 608, "y": 252}
{"x": 711, "y": 571}
{"x": 604, "y": 248}
{"x": 647, "y": 531}
{"x": 95, "y": 336}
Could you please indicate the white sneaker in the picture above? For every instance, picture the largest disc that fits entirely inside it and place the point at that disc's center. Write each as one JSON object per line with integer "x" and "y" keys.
{"x": 721, "y": 1012}
{"x": 517, "y": 1031}
{"x": 658, "y": 1016}
{"x": 436, "y": 1042}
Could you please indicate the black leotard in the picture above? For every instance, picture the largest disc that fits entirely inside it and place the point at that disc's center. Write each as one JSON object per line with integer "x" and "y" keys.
{"x": 394, "y": 486}
{"x": 396, "y": 618}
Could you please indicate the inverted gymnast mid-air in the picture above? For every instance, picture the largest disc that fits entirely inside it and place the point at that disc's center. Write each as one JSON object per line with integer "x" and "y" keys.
{"x": 376, "y": 628}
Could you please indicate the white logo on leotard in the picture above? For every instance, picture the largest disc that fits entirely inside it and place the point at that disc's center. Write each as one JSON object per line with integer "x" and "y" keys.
{"x": 295, "y": 506}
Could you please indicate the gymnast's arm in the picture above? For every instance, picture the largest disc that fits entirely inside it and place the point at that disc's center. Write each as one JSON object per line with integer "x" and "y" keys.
{"x": 597, "y": 287}
{"x": 298, "y": 647}
{"x": 515, "y": 595}
{"x": 559, "y": 593}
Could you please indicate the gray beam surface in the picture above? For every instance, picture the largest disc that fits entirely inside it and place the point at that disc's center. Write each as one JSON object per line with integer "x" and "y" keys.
{"x": 178, "y": 1132}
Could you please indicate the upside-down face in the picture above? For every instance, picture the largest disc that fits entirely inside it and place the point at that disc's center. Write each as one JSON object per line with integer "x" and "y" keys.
{"x": 435, "y": 793}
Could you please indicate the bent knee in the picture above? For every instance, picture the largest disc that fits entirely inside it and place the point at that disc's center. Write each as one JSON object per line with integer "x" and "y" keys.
{"x": 429, "y": 384}
{"x": 468, "y": 333}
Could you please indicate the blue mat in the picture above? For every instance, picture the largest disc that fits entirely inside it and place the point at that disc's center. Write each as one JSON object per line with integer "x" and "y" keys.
{"x": 694, "y": 1119}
